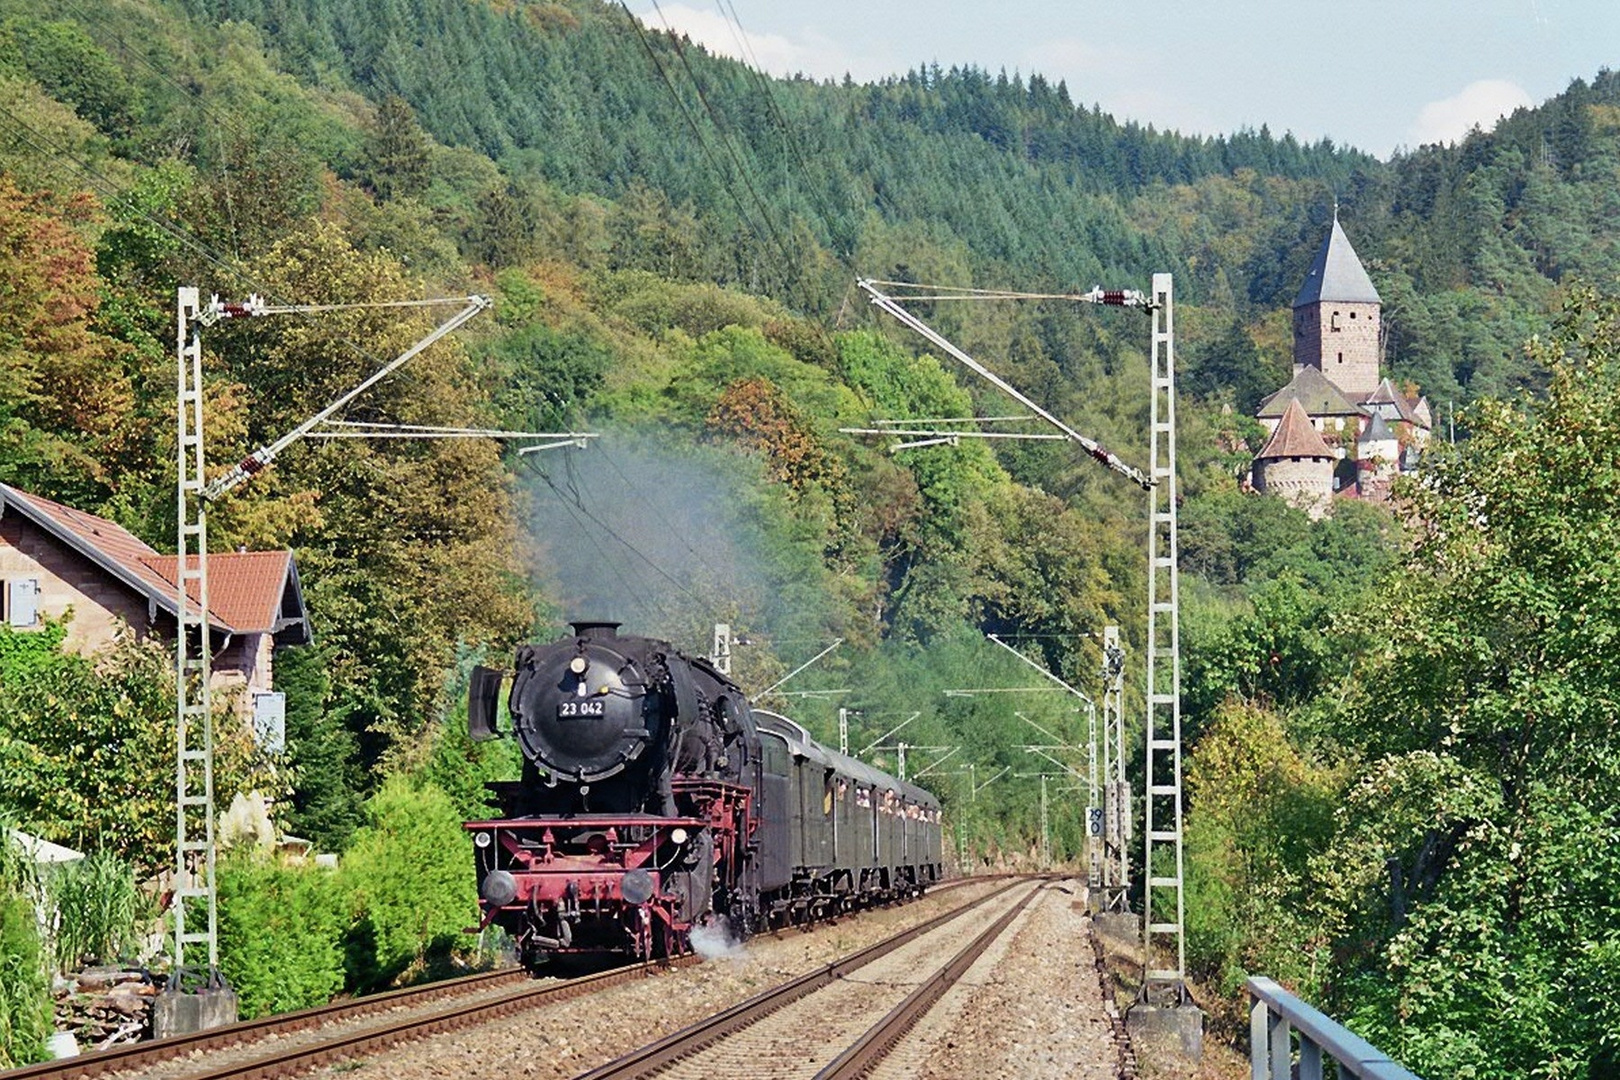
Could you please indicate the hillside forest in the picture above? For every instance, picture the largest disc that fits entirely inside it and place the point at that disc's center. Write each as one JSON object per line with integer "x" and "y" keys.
{"x": 1399, "y": 720}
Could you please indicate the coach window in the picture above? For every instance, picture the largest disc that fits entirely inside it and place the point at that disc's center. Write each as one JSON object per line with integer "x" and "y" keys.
{"x": 776, "y": 756}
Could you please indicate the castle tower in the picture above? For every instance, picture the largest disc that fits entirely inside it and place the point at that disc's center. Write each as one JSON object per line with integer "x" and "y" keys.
{"x": 1336, "y": 319}
{"x": 1296, "y": 465}
{"x": 1378, "y": 459}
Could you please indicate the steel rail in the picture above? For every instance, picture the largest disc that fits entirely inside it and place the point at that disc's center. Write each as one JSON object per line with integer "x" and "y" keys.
{"x": 138, "y": 1055}
{"x": 656, "y": 1055}
{"x": 881, "y": 1038}
{"x": 296, "y": 1060}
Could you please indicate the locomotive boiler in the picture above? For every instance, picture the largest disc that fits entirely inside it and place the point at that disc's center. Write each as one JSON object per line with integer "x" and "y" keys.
{"x": 654, "y": 799}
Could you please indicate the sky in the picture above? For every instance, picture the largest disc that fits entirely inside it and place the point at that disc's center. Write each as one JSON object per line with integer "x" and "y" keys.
{"x": 1379, "y": 75}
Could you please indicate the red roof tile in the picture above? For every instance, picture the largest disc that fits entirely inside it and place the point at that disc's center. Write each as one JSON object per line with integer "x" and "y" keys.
{"x": 1295, "y": 437}
{"x": 246, "y": 590}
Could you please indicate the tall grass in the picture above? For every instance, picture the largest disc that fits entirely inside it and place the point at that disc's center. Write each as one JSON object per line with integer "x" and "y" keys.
{"x": 98, "y": 909}
{"x": 25, "y": 1003}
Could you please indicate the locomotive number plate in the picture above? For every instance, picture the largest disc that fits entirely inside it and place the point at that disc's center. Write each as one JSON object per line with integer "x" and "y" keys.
{"x": 567, "y": 710}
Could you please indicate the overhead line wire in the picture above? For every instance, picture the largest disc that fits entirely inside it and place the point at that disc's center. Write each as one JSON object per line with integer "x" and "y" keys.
{"x": 579, "y": 502}
{"x": 686, "y": 113}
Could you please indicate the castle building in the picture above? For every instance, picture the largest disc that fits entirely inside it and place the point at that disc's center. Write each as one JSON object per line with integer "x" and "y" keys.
{"x": 1296, "y": 465}
{"x": 1368, "y": 429}
{"x": 1336, "y": 319}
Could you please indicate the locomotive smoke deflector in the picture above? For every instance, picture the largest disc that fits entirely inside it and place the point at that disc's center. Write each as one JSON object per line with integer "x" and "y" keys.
{"x": 483, "y": 703}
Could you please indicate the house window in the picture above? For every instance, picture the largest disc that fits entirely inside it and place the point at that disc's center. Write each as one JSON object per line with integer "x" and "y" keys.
{"x": 22, "y": 602}
{"x": 1333, "y": 323}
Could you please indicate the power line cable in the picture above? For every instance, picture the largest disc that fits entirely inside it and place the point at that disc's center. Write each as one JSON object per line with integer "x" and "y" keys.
{"x": 654, "y": 500}
{"x": 575, "y": 500}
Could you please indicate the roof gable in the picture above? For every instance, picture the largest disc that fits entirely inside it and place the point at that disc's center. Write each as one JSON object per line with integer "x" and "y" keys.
{"x": 1337, "y": 274}
{"x": 1313, "y": 390}
{"x": 249, "y": 592}
{"x": 1295, "y": 437}
{"x": 1387, "y": 395}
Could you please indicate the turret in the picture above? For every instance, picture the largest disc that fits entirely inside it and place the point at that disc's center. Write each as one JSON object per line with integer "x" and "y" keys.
{"x": 1336, "y": 318}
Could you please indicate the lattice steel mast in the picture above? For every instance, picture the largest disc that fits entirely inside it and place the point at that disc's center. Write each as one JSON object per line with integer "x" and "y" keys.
{"x": 1116, "y": 869}
{"x": 1164, "y": 894}
{"x": 195, "y": 849}
{"x": 194, "y": 716}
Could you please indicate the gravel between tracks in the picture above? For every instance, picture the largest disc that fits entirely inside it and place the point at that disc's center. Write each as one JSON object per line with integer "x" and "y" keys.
{"x": 1031, "y": 1007}
{"x": 1028, "y": 1017}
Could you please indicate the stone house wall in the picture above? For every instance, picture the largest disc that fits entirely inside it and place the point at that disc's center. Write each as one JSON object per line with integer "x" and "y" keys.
{"x": 1341, "y": 340}
{"x": 1302, "y": 482}
{"x": 102, "y": 608}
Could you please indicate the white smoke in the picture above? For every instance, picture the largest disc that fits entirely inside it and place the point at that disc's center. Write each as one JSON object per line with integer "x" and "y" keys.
{"x": 715, "y": 942}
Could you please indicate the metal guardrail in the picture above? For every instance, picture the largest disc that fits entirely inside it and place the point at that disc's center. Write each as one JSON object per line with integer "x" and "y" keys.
{"x": 1276, "y": 1013}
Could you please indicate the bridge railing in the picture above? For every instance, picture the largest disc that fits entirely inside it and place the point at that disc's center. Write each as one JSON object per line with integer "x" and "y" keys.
{"x": 1276, "y": 1013}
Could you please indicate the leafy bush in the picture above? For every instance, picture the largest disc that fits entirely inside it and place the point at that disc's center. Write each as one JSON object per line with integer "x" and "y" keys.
{"x": 98, "y": 909}
{"x": 87, "y": 747}
{"x": 25, "y": 1004}
{"x": 281, "y": 932}
{"x": 409, "y": 874}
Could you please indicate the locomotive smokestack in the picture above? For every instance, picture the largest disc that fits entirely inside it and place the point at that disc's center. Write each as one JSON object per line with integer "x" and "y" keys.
{"x": 600, "y": 630}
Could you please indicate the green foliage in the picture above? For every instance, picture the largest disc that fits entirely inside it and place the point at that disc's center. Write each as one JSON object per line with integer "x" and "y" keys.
{"x": 456, "y": 765}
{"x": 325, "y": 805}
{"x": 281, "y": 932}
{"x": 1490, "y": 802}
{"x": 72, "y": 68}
{"x": 408, "y": 872}
{"x": 404, "y": 546}
{"x": 66, "y": 402}
{"x": 98, "y": 910}
{"x": 1261, "y": 811}
{"x": 25, "y": 1000}
{"x": 397, "y": 150}
{"x": 87, "y": 749}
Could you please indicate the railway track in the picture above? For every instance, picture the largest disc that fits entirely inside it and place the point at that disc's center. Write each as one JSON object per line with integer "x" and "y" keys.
{"x": 233, "y": 1051}
{"x": 301, "y": 1041}
{"x": 865, "y": 1014}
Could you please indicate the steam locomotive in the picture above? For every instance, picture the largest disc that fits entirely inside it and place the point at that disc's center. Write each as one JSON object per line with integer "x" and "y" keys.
{"x": 654, "y": 800}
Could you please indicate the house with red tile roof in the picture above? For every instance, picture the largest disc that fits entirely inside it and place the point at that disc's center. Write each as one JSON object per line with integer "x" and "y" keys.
{"x": 58, "y": 562}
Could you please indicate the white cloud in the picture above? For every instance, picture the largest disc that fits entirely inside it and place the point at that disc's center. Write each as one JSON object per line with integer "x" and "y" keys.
{"x": 811, "y": 54}
{"x": 1482, "y": 103}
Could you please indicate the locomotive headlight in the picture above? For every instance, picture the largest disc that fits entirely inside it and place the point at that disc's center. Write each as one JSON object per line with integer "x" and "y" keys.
{"x": 578, "y": 665}
{"x": 481, "y": 839}
{"x": 676, "y": 836}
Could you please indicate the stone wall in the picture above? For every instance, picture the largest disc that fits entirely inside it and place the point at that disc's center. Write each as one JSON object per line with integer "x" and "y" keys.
{"x": 1304, "y": 483}
{"x": 102, "y": 607}
{"x": 1340, "y": 339}
{"x": 68, "y": 581}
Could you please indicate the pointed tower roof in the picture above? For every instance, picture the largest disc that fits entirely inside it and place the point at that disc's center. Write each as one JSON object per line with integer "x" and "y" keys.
{"x": 1295, "y": 437}
{"x": 1377, "y": 431}
{"x": 1386, "y": 394}
{"x": 1337, "y": 274}
{"x": 1313, "y": 390}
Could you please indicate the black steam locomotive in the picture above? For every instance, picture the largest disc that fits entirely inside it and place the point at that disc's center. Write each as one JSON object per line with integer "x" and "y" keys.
{"x": 654, "y": 800}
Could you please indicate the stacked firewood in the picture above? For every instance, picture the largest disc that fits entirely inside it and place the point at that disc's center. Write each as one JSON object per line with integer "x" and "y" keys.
{"x": 103, "y": 1007}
